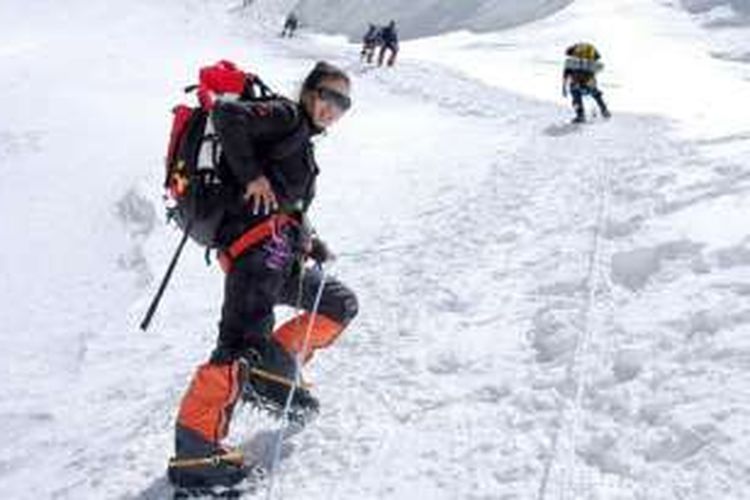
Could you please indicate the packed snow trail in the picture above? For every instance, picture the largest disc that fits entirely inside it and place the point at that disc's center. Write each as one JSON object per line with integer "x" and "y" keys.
{"x": 577, "y": 370}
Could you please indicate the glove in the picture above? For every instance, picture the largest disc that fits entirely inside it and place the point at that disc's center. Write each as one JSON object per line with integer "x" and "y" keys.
{"x": 565, "y": 91}
{"x": 319, "y": 251}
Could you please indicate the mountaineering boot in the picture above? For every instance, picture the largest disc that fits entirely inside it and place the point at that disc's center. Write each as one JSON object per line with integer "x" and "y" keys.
{"x": 223, "y": 467}
{"x": 268, "y": 375}
{"x": 601, "y": 104}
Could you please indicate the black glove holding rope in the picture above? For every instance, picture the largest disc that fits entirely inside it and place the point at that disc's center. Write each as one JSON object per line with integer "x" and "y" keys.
{"x": 312, "y": 246}
{"x": 319, "y": 251}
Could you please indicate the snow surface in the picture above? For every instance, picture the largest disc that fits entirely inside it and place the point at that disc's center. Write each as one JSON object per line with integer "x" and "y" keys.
{"x": 658, "y": 60}
{"x": 420, "y": 17}
{"x": 547, "y": 311}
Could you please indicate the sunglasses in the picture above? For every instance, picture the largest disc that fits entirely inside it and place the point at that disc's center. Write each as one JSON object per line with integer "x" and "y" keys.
{"x": 335, "y": 98}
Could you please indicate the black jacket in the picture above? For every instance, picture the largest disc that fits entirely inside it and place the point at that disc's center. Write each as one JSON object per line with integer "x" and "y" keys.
{"x": 389, "y": 36}
{"x": 270, "y": 138}
{"x": 372, "y": 35}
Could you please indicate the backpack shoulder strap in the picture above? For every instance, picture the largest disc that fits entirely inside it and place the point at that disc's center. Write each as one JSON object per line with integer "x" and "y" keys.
{"x": 297, "y": 136}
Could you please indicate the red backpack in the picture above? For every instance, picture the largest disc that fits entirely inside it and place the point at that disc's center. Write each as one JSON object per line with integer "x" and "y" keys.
{"x": 196, "y": 196}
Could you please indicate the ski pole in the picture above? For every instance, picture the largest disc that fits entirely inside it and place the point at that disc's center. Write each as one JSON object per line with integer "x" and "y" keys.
{"x": 297, "y": 380}
{"x": 165, "y": 280}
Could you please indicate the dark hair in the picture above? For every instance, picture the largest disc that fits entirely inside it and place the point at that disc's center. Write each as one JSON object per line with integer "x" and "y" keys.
{"x": 323, "y": 71}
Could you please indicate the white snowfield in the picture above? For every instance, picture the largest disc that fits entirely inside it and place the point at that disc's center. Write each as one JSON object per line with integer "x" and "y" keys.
{"x": 546, "y": 311}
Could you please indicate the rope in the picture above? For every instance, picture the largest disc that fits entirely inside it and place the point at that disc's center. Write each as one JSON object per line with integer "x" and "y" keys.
{"x": 297, "y": 378}
{"x": 577, "y": 368}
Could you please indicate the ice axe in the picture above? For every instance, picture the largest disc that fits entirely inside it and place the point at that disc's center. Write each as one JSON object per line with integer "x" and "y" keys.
{"x": 165, "y": 280}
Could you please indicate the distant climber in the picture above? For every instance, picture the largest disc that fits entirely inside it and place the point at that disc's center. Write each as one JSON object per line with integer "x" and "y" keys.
{"x": 370, "y": 42}
{"x": 290, "y": 25}
{"x": 389, "y": 41}
{"x": 582, "y": 63}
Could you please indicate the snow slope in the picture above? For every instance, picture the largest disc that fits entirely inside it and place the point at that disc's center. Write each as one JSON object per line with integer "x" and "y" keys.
{"x": 86, "y": 93}
{"x": 739, "y": 6}
{"x": 658, "y": 60}
{"x": 546, "y": 311}
{"x": 420, "y": 17}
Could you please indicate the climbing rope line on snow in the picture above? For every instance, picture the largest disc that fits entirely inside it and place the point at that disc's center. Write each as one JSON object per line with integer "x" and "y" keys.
{"x": 583, "y": 347}
{"x": 569, "y": 417}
